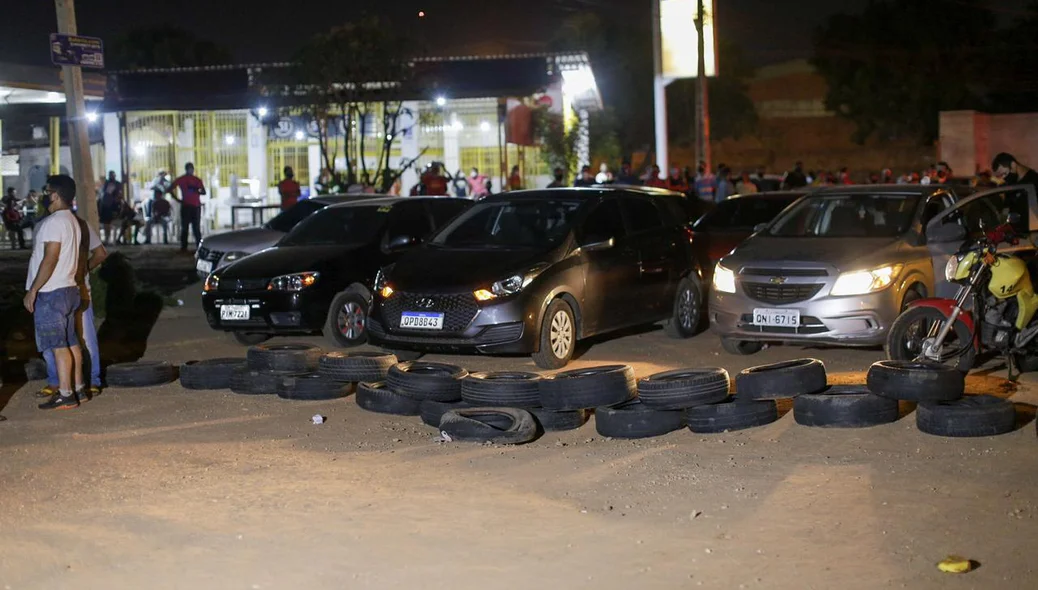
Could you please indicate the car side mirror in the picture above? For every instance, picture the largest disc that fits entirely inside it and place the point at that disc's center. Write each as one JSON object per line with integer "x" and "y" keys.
{"x": 946, "y": 233}
{"x": 401, "y": 242}
{"x": 760, "y": 227}
{"x": 598, "y": 245}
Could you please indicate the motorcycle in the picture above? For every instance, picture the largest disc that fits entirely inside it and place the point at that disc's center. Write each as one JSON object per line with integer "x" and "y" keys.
{"x": 995, "y": 310}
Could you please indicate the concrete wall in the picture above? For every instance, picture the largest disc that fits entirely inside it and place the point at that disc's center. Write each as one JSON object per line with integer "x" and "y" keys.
{"x": 970, "y": 140}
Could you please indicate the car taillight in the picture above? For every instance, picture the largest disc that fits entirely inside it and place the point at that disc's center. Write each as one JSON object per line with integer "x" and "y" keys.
{"x": 689, "y": 233}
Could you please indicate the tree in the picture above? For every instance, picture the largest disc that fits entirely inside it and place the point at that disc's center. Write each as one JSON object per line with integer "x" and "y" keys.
{"x": 895, "y": 66}
{"x": 164, "y": 46}
{"x": 732, "y": 113}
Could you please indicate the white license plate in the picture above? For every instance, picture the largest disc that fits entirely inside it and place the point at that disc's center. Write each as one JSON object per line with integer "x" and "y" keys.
{"x": 780, "y": 318}
{"x": 420, "y": 320}
{"x": 234, "y": 312}
{"x": 204, "y": 266}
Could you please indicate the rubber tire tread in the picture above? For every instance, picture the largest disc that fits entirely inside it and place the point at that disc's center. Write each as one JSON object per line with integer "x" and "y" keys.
{"x": 355, "y": 367}
{"x": 559, "y": 421}
{"x": 424, "y": 380}
{"x": 684, "y": 388}
{"x": 210, "y": 373}
{"x": 311, "y": 387}
{"x": 730, "y": 416}
{"x": 844, "y": 406}
{"x": 634, "y": 419}
{"x": 431, "y": 411}
{"x": 783, "y": 380}
{"x": 140, "y": 374}
{"x": 592, "y": 387}
{"x": 506, "y": 426}
{"x": 287, "y": 356}
{"x": 971, "y": 416}
{"x": 248, "y": 381}
{"x": 916, "y": 382}
{"x": 377, "y": 397}
{"x": 494, "y": 388}
{"x": 35, "y": 370}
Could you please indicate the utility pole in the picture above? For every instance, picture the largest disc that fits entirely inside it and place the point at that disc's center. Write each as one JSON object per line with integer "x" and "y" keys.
{"x": 703, "y": 104}
{"x": 659, "y": 91}
{"x": 75, "y": 113}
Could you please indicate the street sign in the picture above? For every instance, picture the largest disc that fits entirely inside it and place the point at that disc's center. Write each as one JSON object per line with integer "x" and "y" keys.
{"x": 76, "y": 50}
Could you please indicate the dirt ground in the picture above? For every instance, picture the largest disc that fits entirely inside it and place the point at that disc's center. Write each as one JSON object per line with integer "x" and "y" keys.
{"x": 166, "y": 488}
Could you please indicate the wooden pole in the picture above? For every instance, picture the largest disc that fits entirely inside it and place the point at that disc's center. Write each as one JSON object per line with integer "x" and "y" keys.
{"x": 703, "y": 110}
{"x": 55, "y": 145}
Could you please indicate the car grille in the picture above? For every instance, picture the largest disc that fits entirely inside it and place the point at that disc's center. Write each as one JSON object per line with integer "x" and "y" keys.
{"x": 458, "y": 309}
{"x": 781, "y": 294}
{"x": 784, "y": 272}
{"x": 244, "y": 285}
{"x": 213, "y": 256}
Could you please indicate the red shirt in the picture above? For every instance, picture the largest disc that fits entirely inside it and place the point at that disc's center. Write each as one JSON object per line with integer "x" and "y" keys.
{"x": 657, "y": 182}
{"x": 191, "y": 189}
{"x": 290, "y": 192}
{"x": 434, "y": 184}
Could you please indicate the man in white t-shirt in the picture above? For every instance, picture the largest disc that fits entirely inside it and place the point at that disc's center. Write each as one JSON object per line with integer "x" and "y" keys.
{"x": 52, "y": 295}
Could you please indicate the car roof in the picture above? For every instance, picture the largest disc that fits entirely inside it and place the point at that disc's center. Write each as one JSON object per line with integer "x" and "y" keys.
{"x": 882, "y": 189}
{"x": 581, "y": 192}
{"x": 342, "y": 198}
{"x": 389, "y": 201}
{"x": 772, "y": 195}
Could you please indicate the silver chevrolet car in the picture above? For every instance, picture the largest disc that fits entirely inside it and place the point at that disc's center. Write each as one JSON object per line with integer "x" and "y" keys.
{"x": 221, "y": 249}
{"x": 836, "y": 267}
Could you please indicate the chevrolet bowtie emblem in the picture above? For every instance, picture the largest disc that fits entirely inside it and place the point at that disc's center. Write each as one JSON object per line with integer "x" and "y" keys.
{"x": 778, "y": 280}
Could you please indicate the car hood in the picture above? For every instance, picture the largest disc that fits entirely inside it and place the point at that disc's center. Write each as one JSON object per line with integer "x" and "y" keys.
{"x": 434, "y": 269}
{"x": 843, "y": 254}
{"x": 283, "y": 260}
{"x": 245, "y": 240}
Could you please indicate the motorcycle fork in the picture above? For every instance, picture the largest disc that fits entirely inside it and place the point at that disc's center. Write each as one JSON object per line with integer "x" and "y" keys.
{"x": 939, "y": 334}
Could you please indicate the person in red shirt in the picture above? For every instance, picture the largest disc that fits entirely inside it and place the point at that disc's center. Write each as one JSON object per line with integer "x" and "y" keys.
{"x": 191, "y": 191}
{"x": 434, "y": 182}
{"x": 654, "y": 179}
{"x": 289, "y": 189}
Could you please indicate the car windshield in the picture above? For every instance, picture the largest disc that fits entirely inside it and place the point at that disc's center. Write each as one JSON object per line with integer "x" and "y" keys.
{"x": 743, "y": 213}
{"x": 847, "y": 216}
{"x": 338, "y": 225}
{"x": 286, "y": 220}
{"x": 526, "y": 223}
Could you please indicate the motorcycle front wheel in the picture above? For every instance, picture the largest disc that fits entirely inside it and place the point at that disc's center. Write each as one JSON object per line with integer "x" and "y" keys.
{"x": 910, "y": 332}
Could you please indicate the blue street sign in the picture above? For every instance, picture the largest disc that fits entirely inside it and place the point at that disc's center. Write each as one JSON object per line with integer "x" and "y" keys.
{"x": 75, "y": 50}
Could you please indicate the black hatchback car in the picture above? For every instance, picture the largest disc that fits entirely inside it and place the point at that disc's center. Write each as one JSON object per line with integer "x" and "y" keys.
{"x": 318, "y": 277}
{"x": 532, "y": 272}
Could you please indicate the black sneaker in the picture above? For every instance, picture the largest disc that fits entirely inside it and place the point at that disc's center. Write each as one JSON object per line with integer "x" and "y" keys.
{"x": 60, "y": 402}
{"x": 84, "y": 395}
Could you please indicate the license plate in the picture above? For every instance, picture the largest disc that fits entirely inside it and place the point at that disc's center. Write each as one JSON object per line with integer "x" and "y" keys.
{"x": 780, "y": 318}
{"x": 420, "y": 320}
{"x": 234, "y": 312}
{"x": 204, "y": 266}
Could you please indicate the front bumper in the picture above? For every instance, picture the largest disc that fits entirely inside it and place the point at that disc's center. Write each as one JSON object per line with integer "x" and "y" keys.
{"x": 269, "y": 312}
{"x": 859, "y": 320}
{"x": 507, "y": 326}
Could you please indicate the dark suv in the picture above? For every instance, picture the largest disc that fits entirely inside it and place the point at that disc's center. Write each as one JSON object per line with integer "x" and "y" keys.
{"x": 532, "y": 272}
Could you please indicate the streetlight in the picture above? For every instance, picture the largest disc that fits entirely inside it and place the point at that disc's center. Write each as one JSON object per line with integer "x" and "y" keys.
{"x": 91, "y": 117}
{"x": 299, "y": 136}
{"x": 229, "y": 140}
{"x": 484, "y": 126}
{"x": 440, "y": 101}
{"x": 262, "y": 112}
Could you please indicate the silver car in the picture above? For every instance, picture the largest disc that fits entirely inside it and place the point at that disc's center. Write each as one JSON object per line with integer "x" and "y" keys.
{"x": 219, "y": 250}
{"x": 836, "y": 267}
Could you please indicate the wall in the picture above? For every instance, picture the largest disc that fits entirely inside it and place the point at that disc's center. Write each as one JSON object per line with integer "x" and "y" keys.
{"x": 970, "y": 140}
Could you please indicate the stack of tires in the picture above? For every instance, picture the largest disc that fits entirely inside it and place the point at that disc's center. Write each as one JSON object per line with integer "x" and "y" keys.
{"x": 288, "y": 370}
{"x": 942, "y": 408}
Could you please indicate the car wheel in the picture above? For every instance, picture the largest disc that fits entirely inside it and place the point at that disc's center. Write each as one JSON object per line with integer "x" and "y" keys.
{"x": 347, "y": 323}
{"x": 687, "y": 310}
{"x": 558, "y": 336}
{"x": 250, "y": 339}
{"x": 741, "y": 347}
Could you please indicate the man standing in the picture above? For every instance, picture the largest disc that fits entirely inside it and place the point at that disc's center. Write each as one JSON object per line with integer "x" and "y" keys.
{"x": 191, "y": 191}
{"x": 585, "y": 178}
{"x": 1011, "y": 172}
{"x": 53, "y": 296}
{"x": 627, "y": 175}
{"x": 477, "y": 184}
{"x": 795, "y": 178}
{"x": 13, "y": 222}
{"x": 558, "y": 179}
{"x": 705, "y": 184}
{"x": 289, "y": 189}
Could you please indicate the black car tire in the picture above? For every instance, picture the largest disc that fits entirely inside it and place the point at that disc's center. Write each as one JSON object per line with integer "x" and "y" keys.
{"x": 973, "y": 415}
{"x": 289, "y": 356}
{"x": 844, "y": 406}
{"x": 140, "y": 374}
{"x": 593, "y": 387}
{"x": 250, "y": 338}
{"x": 683, "y": 388}
{"x": 354, "y": 367}
{"x": 311, "y": 386}
{"x": 431, "y": 411}
{"x": 506, "y": 426}
{"x": 248, "y": 381}
{"x": 916, "y": 381}
{"x": 633, "y": 419}
{"x": 424, "y": 380}
{"x": 558, "y": 421}
{"x": 35, "y": 370}
{"x": 377, "y": 397}
{"x": 728, "y": 416}
{"x": 558, "y": 336}
{"x": 347, "y": 323}
{"x": 512, "y": 389}
{"x": 784, "y": 380}
{"x": 741, "y": 347}
{"x": 210, "y": 373}
{"x": 687, "y": 309}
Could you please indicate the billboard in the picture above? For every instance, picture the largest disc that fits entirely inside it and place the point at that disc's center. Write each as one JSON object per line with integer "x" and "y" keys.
{"x": 76, "y": 50}
{"x": 679, "y": 41}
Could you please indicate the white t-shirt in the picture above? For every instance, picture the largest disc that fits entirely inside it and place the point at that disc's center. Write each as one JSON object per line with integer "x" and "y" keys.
{"x": 61, "y": 227}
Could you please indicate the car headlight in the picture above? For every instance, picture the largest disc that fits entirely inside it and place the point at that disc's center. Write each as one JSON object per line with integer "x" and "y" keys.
{"x": 724, "y": 279}
{"x": 509, "y": 286}
{"x": 293, "y": 282}
{"x": 212, "y": 283}
{"x": 232, "y": 256}
{"x": 951, "y": 268}
{"x": 866, "y": 281}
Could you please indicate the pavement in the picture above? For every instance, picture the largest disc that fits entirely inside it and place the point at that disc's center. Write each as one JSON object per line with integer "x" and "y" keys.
{"x": 168, "y": 488}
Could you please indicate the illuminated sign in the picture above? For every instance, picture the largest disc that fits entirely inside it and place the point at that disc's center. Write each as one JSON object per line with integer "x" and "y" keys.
{"x": 679, "y": 40}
